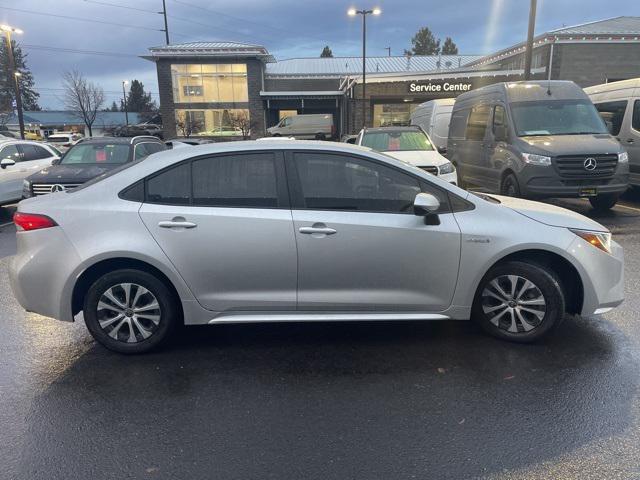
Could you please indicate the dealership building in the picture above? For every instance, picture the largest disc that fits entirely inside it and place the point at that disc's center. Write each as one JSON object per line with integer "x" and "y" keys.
{"x": 210, "y": 88}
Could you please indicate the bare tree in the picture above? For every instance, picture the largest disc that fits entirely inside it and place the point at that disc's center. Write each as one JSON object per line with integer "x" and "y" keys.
{"x": 82, "y": 97}
{"x": 187, "y": 125}
{"x": 241, "y": 121}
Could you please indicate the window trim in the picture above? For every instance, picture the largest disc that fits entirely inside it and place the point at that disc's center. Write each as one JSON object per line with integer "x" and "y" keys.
{"x": 635, "y": 106}
{"x": 297, "y": 195}
{"x": 281, "y": 181}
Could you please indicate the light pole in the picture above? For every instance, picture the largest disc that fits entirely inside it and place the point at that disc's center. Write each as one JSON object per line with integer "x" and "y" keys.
{"x": 16, "y": 74}
{"x": 124, "y": 103}
{"x": 353, "y": 12}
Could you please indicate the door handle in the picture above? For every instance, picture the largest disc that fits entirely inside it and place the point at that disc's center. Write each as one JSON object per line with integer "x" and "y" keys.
{"x": 629, "y": 140}
{"x": 320, "y": 230}
{"x": 176, "y": 224}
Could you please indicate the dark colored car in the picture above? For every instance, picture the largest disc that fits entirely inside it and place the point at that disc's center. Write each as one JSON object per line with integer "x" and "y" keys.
{"x": 88, "y": 159}
{"x": 140, "y": 129}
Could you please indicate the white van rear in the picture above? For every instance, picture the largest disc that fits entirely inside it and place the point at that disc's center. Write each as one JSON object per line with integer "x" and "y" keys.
{"x": 434, "y": 117}
{"x": 310, "y": 126}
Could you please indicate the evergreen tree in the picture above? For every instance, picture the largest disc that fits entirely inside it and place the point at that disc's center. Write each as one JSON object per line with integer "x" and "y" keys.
{"x": 449, "y": 48}
{"x": 326, "y": 52}
{"x": 7, "y": 86}
{"x": 425, "y": 43}
{"x": 138, "y": 100}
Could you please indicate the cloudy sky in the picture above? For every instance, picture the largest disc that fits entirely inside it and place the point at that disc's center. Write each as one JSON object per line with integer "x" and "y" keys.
{"x": 288, "y": 28}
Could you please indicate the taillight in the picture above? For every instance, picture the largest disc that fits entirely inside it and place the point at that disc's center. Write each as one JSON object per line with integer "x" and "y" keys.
{"x": 32, "y": 221}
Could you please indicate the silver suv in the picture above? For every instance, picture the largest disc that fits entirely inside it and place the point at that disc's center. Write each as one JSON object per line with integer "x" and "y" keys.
{"x": 302, "y": 231}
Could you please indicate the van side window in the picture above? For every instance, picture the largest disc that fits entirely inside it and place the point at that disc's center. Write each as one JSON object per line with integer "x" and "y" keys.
{"x": 635, "y": 122}
{"x": 612, "y": 113}
{"x": 477, "y": 123}
{"x": 457, "y": 124}
{"x": 499, "y": 116}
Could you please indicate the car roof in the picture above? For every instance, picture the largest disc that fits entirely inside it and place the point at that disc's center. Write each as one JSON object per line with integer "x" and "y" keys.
{"x": 120, "y": 140}
{"x": 408, "y": 128}
{"x": 19, "y": 140}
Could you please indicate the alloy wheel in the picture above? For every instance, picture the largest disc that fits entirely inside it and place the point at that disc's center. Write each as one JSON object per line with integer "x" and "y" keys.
{"x": 513, "y": 303}
{"x": 128, "y": 312}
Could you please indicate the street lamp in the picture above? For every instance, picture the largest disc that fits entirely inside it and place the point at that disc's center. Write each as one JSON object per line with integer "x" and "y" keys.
{"x": 124, "y": 102}
{"x": 8, "y": 30}
{"x": 352, "y": 12}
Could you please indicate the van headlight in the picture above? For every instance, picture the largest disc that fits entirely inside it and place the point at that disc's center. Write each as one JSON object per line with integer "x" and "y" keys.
{"x": 446, "y": 168}
{"x": 26, "y": 189}
{"x": 601, "y": 240}
{"x": 623, "y": 157}
{"x": 535, "y": 159}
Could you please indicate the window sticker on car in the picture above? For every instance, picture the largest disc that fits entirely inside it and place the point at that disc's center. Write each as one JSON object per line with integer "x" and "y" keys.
{"x": 101, "y": 156}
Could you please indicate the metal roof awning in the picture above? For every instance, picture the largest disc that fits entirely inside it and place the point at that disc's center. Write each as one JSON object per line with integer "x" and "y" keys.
{"x": 309, "y": 94}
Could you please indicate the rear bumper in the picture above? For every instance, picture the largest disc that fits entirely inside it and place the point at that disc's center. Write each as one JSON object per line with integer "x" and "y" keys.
{"x": 602, "y": 276}
{"x": 40, "y": 270}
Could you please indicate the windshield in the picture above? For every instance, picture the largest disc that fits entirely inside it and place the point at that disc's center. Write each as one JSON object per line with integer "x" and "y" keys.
{"x": 396, "y": 141}
{"x": 97, "y": 154}
{"x": 556, "y": 117}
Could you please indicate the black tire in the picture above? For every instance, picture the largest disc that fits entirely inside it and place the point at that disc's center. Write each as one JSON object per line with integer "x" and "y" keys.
{"x": 604, "y": 201}
{"x": 545, "y": 282}
{"x": 167, "y": 313}
{"x": 276, "y": 135}
{"x": 321, "y": 136}
{"x": 510, "y": 186}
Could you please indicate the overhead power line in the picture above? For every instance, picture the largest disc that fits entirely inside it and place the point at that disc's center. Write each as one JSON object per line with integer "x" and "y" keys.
{"x": 73, "y": 50}
{"x": 117, "y": 5}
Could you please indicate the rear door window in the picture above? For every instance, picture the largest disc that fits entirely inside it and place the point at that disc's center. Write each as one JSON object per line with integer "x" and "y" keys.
{"x": 635, "y": 122}
{"x": 171, "y": 186}
{"x": 34, "y": 152}
{"x": 613, "y": 114}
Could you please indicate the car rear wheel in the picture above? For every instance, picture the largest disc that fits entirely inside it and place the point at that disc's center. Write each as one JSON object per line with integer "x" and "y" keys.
{"x": 510, "y": 186}
{"x": 604, "y": 201}
{"x": 519, "y": 301}
{"x": 321, "y": 136}
{"x": 130, "y": 311}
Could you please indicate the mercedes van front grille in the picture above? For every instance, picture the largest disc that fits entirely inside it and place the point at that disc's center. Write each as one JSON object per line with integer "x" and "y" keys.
{"x": 586, "y": 166}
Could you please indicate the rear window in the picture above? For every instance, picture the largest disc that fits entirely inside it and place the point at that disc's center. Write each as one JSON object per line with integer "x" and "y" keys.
{"x": 58, "y": 139}
{"x": 396, "y": 141}
{"x": 86, "y": 153}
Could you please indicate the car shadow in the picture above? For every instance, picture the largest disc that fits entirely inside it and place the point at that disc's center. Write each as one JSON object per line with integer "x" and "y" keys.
{"x": 333, "y": 400}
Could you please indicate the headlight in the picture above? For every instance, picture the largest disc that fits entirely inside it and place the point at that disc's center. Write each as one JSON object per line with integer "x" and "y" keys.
{"x": 446, "y": 168}
{"x": 26, "y": 189}
{"x": 623, "y": 157}
{"x": 534, "y": 159}
{"x": 601, "y": 240}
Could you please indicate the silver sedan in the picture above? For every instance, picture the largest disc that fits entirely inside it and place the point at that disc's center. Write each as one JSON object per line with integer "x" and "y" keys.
{"x": 302, "y": 231}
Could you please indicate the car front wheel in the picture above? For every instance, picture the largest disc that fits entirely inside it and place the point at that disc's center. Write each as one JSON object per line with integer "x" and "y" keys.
{"x": 130, "y": 311}
{"x": 519, "y": 301}
{"x": 604, "y": 201}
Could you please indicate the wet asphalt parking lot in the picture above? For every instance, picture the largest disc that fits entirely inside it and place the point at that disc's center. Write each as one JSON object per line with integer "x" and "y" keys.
{"x": 326, "y": 400}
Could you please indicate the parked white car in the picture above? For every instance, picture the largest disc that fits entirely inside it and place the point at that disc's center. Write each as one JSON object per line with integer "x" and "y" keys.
{"x": 18, "y": 160}
{"x": 411, "y": 145}
{"x": 64, "y": 140}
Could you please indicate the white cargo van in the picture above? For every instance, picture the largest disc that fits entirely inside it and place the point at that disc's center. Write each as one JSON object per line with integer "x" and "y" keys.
{"x": 311, "y": 126}
{"x": 433, "y": 117}
{"x": 619, "y": 106}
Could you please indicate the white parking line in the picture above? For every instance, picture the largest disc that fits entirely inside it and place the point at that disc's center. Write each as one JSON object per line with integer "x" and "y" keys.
{"x": 5, "y": 224}
{"x": 627, "y": 207}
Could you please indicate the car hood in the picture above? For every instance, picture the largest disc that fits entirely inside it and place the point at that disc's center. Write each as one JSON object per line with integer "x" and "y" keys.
{"x": 419, "y": 158}
{"x": 550, "y": 214}
{"x": 592, "y": 144}
{"x": 70, "y": 173}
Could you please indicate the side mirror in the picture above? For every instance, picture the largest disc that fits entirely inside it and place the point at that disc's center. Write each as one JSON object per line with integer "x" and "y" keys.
{"x": 425, "y": 204}
{"x": 442, "y": 150}
{"x": 500, "y": 133}
{"x": 7, "y": 162}
{"x": 56, "y": 161}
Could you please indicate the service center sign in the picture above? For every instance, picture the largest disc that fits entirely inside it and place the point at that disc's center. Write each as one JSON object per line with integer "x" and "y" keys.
{"x": 440, "y": 87}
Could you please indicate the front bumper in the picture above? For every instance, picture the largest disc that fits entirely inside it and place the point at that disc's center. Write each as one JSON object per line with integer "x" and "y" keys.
{"x": 602, "y": 275}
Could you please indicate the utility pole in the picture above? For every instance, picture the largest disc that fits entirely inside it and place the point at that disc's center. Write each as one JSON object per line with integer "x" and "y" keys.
{"x": 166, "y": 25}
{"x": 529, "y": 48}
{"x": 124, "y": 103}
{"x": 14, "y": 73}
{"x": 388, "y": 49}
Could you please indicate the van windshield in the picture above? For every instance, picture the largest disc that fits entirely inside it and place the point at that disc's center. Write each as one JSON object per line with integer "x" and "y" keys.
{"x": 556, "y": 117}
{"x": 396, "y": 141}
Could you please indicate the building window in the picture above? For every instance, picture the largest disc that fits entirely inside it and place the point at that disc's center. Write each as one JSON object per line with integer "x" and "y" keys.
{"x": 224, "y": 122}
{"x": 210, "y": 83}
{"x": 392, "y": 114}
